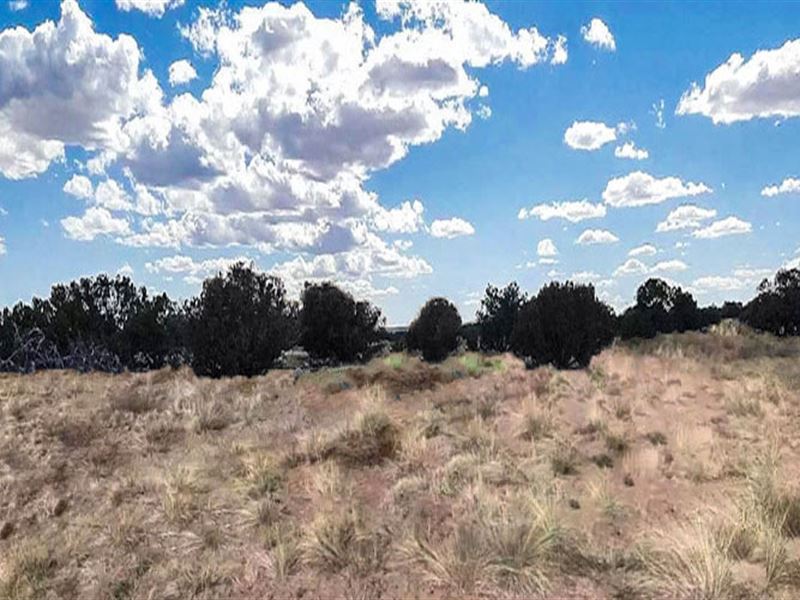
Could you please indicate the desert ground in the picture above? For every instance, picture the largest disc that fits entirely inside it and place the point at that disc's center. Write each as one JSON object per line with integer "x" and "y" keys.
{"x": 669, "y": 468}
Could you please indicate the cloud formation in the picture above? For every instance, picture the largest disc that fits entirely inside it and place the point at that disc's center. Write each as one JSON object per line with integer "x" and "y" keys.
{"x": 451, "y": 228}
{"x": 597, "y": 33}
{"x": 589, "y": 135}
{"x": 629, "y": 150}
{"x": 765, "y": 85}
{"x": 572, "y": 211}
{"x": 640, "y": 189}
{"x": 723, "y": 227}
{"x": 546, "y": 248}
{"x": 596, "y": 236}
{"x": 181, "y": 72}
{"x": 686, "y": 216}
{"x": 790, "y": 185}
{"x": 152, "y": 8}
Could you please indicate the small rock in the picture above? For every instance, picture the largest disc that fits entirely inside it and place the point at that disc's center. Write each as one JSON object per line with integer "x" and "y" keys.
{"x": 59, "y": 507}
{"x": 574, "y": 504}
{"x": 628, "y": 481}
{"x": 6, "y": 529}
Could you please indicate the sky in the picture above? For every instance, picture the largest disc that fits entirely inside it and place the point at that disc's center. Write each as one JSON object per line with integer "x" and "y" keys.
{"x": 402, "y": 148}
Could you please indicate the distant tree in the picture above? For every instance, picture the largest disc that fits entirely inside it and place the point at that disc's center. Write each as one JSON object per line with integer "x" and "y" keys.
{"x": 471, "y": 334}
{"x": 435, "y": 330}
{"x": 661, "y": 308}
{"x": 240, "y": 323}
{"x": 776, "y": 308}
{"x": 333, "y": 325}
{"x": 563, "y": 325}
{"x": 731, "y": 310}
{"x": 497, "y": 315}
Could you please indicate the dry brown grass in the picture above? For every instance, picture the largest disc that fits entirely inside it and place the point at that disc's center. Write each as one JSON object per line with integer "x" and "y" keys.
{"x": 664, "y": 470}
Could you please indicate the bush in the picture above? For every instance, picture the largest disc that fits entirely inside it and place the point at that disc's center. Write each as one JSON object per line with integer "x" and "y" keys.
{"x": 335, "y": 326}
{"x": 435, "y": 330}
{"x": 776, "y": 309}
{"x": 497, "y": 316}
{"x": 564, "y": 325}
{"x": 240, "y": 324}
{"x": 662, "y": 308}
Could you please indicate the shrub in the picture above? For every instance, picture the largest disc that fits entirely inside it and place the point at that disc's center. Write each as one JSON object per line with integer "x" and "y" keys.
{"x": 435, "y": 330}
{"x": 564, "y": 325}
{"x": 240, "y": 324}
{"x": 776, "y": 309}
{"x": 335, "y": 326}
{"x": 497, "y": 316}
{"x": 662, "y": 308}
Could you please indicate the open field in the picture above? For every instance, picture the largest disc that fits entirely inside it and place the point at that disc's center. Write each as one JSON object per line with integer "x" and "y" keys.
{"x": 664, "y": 470}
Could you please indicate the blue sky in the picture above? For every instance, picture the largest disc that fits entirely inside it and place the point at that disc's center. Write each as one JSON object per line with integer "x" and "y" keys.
{"x": 392, "y": 146}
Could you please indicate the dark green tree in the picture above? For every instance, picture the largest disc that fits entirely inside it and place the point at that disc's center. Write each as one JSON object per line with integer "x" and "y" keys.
{"x": 435, "y": 330}
{"x": 497, "y": 315}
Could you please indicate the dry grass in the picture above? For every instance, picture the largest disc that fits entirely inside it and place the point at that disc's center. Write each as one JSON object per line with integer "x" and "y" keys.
{"x": 665, "y": 470}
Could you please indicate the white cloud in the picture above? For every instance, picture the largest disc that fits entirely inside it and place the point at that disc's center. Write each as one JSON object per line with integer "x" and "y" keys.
{"x": 451, "y": 228}
{"x": 643, "y": 250}
{"x": 484, "y": 112}
{"x": 589, "y": 135}
{"x": 110, "y": 195}
{"x": 560, "y": 52}
{"x": 669, "y": 266}
{"x": 640, "y": 189}
{"x": 599, "y": 35}
{"x": 17, "y": 5}
{"x": 181, "y": 72}
{"x": 277, "y": 151}
{"x": 546, "y": 247}
{"x": 96, "y": 221}
{"x": 2, "y": 246}
{"x": 765, "y": 85}
{"x": 686, "y": 216}
{"x": 573, "y": 211}
{"x": 629, "y": 150}
{"x": 657, "y": 110}
{"x": 548, "y": 261}
{"x": 789, "y": 185}
{"x": 125, "y": 270}
{"x": 596, "y": 236}
{"x": 723, "y": 227}
{"x": 718, "y": 283}
{"x": 153, "y": 8}
{"x": 585, "y": 276}
{"x": 406, "y": 218}
{"x": 632, "y": 266}
{"x": 193, "y": 271}
{"x": 80, "y": 187}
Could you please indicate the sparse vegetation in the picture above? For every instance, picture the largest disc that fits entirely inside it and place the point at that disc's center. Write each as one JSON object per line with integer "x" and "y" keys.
{"x": 647, "y": 476}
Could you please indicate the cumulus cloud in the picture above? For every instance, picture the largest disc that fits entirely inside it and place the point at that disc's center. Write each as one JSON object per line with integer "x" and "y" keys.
{"x": 17, "y": 5}
{"x": 192, "y": 271}
{"x": 125, "y": 270}
{"x": 65, "y": 84}
{"x": 95, "y": 222}
{"x": 560, "y": 52}
{"x": 153, "y": 8}
{"x": 765, "y": 85}
{"x": 589, "y": 135}
{"x": 789, "y": 185}
{"x": 686, "y": 216}
{"x": 80, "y": 187}
{"x": 640, "y": 189}
{"x": 451, "y": 228}
{"x": 596, "y": 236}
{"x": 718, "y": 283}
{"x": 632, "y": 266}
{"x": 572, "y": 211}
{"x": 669, "y": 266}
{"x": 2, "y": 245}
{"x": 723, "y": 227}
{"x": 181, "y": 72}
{"x": 629, "y": 150}
{"x": 546, "y": 248}
{"x": 406, "y": 218}
{"x": 277, "y": 151}
{"x": 597, "y": 33}
{"x": 643, "y": 250}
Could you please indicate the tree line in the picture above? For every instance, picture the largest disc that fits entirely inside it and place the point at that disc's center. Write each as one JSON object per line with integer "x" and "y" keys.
{"x": 243, "y": 320}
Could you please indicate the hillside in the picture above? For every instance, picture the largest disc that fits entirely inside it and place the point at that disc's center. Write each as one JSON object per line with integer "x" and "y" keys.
{"x": 665, "y": 469}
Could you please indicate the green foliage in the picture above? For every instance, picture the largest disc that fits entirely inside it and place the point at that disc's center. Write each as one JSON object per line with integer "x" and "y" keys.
{"x": 335, "y": 326}
{"x": 435, "y": 330}
{"x": 240, "y": 324}
{"x": 497, "y": 316}
{"x": 563, "y": 325}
